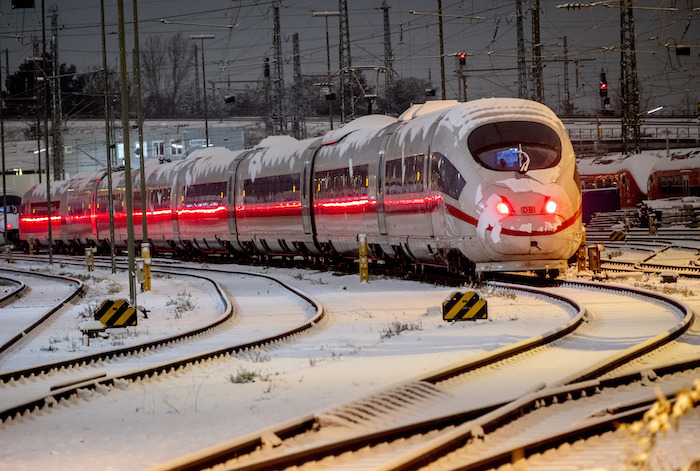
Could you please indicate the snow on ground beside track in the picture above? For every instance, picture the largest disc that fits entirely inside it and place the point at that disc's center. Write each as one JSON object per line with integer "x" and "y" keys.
{"x": 6, "y": 287}
{"x": 62, "y": 338}
{"x": 376, "y": 335}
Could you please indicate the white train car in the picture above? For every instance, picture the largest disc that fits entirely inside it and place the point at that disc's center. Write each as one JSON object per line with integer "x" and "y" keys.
{"x": 483, "y": 186}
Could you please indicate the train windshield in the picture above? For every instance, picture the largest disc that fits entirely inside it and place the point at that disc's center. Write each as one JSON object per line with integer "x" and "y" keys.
{"x": 12, "y": 206}
{"x": 515, "y": 146}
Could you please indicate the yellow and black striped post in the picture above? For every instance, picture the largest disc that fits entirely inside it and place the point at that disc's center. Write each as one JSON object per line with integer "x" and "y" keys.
{"x": 464, "y": 306}
{"x": 618, "y": 235}
{"x": 117, "y": 313}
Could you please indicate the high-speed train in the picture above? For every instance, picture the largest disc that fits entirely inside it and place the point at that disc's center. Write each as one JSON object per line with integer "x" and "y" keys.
{"x": 482, "y": 186}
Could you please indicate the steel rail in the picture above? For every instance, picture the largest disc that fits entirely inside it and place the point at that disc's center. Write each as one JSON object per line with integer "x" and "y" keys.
{"x": 488, "y": 418}
{"x": 18, "y": 292}
{"x": 78, "y": 292}
{"x": 582, "y": 383}
{"x": 60, "y": 395}
{"x": 244, "y": 445}
{"x": 133, "y": 349}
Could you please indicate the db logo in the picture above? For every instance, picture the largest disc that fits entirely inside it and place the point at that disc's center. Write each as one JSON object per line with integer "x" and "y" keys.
{"x": 527, "y": 209}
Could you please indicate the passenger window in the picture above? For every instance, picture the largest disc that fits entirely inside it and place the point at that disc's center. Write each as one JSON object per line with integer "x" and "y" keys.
{"x": 444, "y": 177}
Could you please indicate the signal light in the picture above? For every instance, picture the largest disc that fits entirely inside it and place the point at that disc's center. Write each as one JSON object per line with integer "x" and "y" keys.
{"x": 462, "y": 58}
{"x": 9, "y": 226}
{"x": 603, "y": 85}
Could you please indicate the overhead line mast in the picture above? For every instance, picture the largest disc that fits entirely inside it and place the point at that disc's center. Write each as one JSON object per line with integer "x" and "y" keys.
{"x": 538, "y": 92}
{"x": 388, "y": 53}
{"x": 629, "y": 84}
{"x": 345, "y": 64}
{"x": 278, "y": 106}
{"x": 522, "y": 67}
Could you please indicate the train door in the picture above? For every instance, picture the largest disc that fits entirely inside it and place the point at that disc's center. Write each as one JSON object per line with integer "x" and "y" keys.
{"x": 307, "y": 175}
{"x": 686, "y": 185}
{"x": 232, "y": 200}
{"x": 381, "y": 170}
{"x": 428, "y": 200}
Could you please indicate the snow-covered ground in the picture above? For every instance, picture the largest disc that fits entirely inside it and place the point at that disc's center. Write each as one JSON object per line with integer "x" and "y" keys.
{"x": 376, "y": 335}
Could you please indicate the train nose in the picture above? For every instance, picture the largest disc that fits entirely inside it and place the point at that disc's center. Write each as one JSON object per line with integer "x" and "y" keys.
{"x": 523, "y": 224}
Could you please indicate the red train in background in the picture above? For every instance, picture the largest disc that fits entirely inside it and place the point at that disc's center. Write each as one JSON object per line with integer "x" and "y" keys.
{"x": 611, "y": 183}
{"x": 483, "y": 186}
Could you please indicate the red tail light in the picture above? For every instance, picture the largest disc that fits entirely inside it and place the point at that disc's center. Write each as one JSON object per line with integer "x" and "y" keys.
{"x": 9, "y": 226}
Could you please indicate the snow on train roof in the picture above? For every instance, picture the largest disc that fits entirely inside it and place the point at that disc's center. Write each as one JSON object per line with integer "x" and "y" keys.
{"x": 274, "y": 151}
{"x": 421, "y": 109}
{"x": 207, "y": 161}
{"x": 641, "y": 165}
{"x": 373, "y": 121}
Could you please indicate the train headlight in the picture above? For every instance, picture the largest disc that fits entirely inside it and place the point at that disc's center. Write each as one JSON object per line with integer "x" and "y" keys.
{"x": 503, "y": 207}
{"x": 550, "y": 207}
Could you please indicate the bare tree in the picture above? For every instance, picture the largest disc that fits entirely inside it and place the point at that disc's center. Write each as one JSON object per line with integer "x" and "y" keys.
{"x": 153, "y": 63}
{"x": 166, "y": 71}
{"x": 181, "y": 55}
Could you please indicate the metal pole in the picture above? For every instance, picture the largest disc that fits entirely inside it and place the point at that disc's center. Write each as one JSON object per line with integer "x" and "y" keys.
{"x": 139, "y": 117}
{"x": 206, "y": 106}
{"x": 4, "y": 183}
{"x": 46, "y": 133}
{"x": 108, "y": 145}
{"x": 202, "y": 37}
{"x": 127, "y": 154}
{"x": 328, "y": 80}
{"x": 442, "y": 52}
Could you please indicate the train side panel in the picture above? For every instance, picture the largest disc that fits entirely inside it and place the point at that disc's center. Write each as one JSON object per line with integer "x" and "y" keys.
{"x": 80, "y": 201}
{"x": 102, "y": 220}
{"x": 34, "y": 221}
{"x": 344, "y": 186}
{"x": 163, "y": 197}
{"x": 411, "y": 208}
{"x": 268, "y": 199}
{"x": 203, "y": 188}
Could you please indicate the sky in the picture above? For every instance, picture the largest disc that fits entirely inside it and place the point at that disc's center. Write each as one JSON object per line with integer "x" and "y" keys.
{"x": 485, "y": 30}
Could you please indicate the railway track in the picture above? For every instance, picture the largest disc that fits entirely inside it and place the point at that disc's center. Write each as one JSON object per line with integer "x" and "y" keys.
{"x": 411, "y": 422}
{"x": 11, "y": 290}
{"x": 25, "y": 310}
{"x": 48, "y": 384}
{"x": 417, "y": 422}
